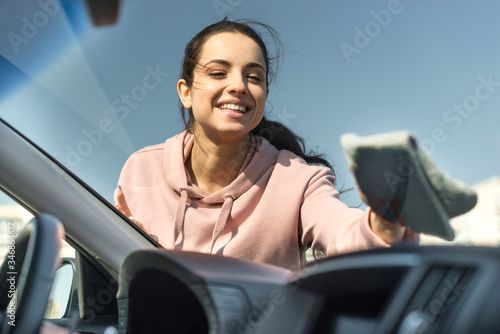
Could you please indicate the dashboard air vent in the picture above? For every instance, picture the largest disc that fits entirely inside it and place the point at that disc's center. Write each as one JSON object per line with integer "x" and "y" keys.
{"x": 438, "y": 294}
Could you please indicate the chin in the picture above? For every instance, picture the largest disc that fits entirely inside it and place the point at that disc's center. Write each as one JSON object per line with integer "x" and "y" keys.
{"x": 233, "y": 134}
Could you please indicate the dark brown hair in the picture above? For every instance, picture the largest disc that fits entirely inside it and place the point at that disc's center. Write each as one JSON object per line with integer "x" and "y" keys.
{"x": 276, "y": 133}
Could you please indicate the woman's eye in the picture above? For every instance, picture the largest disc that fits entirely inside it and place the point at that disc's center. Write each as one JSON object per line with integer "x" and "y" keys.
{"x": 217, "y": 74}
{"x": 254, "y": 78}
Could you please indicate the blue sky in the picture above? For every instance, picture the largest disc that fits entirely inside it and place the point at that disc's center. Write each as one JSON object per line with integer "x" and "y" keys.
{"x": 431, "y": 67}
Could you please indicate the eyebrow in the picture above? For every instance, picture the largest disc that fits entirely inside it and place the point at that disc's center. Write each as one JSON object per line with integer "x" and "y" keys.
{"x": 228, "y": 64}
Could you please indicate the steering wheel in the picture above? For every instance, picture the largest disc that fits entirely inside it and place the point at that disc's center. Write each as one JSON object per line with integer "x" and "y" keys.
{"x": 29, "y": 269}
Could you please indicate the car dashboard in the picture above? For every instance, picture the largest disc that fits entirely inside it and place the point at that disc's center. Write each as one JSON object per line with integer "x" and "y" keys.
{"x": 396, "y": 290}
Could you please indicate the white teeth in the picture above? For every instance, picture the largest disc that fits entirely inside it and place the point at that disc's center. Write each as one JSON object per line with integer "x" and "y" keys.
{"x": 235, "y": 107}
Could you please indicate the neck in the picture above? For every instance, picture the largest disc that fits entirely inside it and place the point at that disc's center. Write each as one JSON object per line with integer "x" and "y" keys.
{"x": 214, "y": 165}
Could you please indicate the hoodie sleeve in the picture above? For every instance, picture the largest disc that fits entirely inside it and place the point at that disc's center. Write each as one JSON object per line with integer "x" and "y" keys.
{"x": 328, "y": 224}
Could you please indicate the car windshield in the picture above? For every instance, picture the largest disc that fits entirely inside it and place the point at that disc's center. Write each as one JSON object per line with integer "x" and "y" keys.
{"x": 92, "y": 92}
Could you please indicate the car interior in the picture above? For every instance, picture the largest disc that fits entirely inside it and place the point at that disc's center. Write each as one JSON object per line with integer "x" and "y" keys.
{"x": 120, "y": 280}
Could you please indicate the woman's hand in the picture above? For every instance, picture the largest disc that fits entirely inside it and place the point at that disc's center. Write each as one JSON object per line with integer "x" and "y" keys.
{"x": 122, "y": 206}
{"x": 390, "y": 232}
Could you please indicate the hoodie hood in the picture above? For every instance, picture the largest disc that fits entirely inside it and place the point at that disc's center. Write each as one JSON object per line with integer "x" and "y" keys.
{"x": 177, "y": 150}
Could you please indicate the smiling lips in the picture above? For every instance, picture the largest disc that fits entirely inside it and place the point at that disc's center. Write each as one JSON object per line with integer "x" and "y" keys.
{"x": 234, "y": 107}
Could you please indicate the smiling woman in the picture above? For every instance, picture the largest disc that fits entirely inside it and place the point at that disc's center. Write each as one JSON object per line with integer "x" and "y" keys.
{"x": 229, "y": 89}
{"x": 221, "y": 187}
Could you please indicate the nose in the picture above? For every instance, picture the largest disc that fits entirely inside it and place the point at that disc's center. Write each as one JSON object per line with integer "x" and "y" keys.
{"x": 238, "y": 85}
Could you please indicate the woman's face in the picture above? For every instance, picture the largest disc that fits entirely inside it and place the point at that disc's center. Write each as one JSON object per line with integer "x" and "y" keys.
{"x": 229, "y": 88}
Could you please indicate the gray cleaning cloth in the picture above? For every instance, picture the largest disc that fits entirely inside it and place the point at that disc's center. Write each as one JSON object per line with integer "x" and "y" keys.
{"x": 403, "y": 185}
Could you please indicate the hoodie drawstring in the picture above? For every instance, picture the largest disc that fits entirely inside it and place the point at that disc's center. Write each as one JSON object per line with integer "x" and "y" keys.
{"x": 221, "y": 221}
{"x": 179, "y": 216}
{"x": 219, "y": 224}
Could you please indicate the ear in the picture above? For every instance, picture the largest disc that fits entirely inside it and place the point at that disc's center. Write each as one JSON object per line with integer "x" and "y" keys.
{"x": 267, "y": 93}
{"x": 184, "y": 93}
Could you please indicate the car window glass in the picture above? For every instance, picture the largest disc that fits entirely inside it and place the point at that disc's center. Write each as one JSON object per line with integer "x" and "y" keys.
{"x": 60, "y": 293}
{"x": 13, "y": 217}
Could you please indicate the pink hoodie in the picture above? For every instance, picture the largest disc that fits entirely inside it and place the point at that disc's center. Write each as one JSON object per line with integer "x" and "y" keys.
{"x": 277, "y": 207}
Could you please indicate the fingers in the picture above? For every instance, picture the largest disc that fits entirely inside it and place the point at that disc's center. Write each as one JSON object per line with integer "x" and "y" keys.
{"x": 392, "y": 233}
{"x": 138, "y": 223}
{"x": 122, "y": 206}
{"x": 121, "y": 203}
